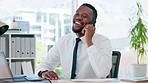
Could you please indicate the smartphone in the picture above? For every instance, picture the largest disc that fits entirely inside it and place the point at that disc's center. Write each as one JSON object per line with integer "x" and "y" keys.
{"x": 92, "y": 22}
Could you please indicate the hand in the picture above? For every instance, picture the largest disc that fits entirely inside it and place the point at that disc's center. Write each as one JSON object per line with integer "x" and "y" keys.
{"x": 50, "y": 75}
{"x": 88, "y": 32}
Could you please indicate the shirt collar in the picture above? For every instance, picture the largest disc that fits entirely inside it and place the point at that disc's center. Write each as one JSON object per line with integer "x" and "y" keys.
{"x": 75, "y": 36}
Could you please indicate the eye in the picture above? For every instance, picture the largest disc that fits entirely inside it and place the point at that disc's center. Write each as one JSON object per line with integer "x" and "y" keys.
{"x": 85, "y": 16}
{"x": 76, "y": 14}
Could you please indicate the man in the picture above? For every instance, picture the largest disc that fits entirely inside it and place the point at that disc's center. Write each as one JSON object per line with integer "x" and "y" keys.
{"x": 94, "y": 58}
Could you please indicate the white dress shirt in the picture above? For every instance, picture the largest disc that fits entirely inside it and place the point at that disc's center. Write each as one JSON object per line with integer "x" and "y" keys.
{"x": 92, "y": 62}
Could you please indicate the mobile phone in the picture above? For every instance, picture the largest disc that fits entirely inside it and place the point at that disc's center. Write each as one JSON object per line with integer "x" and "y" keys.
{"x": 92, "y": 22}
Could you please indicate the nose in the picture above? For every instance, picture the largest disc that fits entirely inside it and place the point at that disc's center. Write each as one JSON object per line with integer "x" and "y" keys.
{"x": 78, "y": 17}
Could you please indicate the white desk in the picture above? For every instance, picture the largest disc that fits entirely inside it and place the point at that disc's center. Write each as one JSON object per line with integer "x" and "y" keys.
{"x": 79, "y": 81}
{"x": 90, "y": 81}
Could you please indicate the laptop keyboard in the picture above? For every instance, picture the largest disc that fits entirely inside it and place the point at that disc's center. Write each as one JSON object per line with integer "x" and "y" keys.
{"x": 19, "y": 79}
{"x": 27, "y": 78}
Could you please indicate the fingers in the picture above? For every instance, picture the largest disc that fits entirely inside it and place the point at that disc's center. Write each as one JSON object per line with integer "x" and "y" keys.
{"x": 88, "y": 28}
{"x": 50, "y": 75}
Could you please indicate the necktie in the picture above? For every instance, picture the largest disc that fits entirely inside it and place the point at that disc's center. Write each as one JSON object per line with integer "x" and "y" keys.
{"x": 73, "y": 75}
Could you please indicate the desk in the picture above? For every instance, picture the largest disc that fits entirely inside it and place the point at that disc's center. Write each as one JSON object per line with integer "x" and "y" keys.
{"x": 81, "y": 81}
{"x": 93, "y": 81}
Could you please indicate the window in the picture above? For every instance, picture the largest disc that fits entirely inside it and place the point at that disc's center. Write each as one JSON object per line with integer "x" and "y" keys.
{"x": 48, "y": 19}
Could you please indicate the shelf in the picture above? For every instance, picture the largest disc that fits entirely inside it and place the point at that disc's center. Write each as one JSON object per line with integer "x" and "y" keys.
{"x": 22, "y": 58}
{"x": 19, "y": 48}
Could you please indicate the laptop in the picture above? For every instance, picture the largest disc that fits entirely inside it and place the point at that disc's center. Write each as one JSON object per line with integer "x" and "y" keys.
{"x": 6, "y": 74}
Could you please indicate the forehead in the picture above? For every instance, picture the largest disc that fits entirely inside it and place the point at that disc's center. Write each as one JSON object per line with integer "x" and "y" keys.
{"x": 85, "y": 9}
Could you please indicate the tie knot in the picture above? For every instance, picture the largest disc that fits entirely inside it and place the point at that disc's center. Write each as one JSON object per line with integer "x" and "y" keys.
{"x": 78, "y": 40}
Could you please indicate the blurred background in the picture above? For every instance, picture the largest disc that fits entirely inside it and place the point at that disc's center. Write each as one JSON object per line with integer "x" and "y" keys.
{"x": 51, "y": 19}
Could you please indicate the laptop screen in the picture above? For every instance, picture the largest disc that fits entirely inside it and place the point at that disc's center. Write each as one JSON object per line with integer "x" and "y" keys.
{"x": 4, "y": 68}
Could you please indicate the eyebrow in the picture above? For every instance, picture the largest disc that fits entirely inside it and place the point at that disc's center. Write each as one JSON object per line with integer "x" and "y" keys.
{"x": 83, "y": 13}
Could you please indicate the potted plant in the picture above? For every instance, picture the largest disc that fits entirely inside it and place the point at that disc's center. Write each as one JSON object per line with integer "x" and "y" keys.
{"x": 139, "y": 38}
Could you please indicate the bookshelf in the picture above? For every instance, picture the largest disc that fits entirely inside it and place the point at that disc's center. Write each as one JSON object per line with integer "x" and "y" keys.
{"x": 19, "y": 48}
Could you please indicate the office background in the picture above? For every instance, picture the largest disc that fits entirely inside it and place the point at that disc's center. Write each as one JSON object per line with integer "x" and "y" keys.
{"x": 51, "y": 19}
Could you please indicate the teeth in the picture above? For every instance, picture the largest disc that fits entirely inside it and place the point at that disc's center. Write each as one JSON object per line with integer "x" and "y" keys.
{"x": 78, "y": 23}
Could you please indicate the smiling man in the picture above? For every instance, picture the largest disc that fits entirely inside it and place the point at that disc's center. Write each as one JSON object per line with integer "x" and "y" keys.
{"x": 94, "y": 53}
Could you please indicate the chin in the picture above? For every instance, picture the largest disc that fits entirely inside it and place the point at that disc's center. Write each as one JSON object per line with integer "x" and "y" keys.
{"x": 76, "y": 30}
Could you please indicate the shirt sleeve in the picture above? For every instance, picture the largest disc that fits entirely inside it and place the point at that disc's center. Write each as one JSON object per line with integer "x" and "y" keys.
{"x": 100, "y": 57}
{"x": 50, "y": 61}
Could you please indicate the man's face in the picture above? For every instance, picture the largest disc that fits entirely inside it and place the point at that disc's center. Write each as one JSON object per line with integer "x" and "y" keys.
{"x": 82, "y": 17}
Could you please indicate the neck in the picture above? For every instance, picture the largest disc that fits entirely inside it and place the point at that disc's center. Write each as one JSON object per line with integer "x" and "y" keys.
{"x": 79, "y": 35}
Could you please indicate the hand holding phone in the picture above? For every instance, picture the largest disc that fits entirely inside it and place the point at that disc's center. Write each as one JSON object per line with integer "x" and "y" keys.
{"x": 91, "y": 22}
{"x": 88, "y": 32}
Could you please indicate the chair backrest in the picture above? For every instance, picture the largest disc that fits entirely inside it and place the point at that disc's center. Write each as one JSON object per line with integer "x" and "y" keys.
{"x": 115, "y": 64}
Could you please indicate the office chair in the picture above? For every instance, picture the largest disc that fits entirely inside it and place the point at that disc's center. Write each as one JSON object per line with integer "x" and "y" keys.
{"x": 116, "y": 55}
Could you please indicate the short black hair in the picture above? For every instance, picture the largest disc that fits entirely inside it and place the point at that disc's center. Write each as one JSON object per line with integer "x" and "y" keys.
{"x": 91, "y": 7}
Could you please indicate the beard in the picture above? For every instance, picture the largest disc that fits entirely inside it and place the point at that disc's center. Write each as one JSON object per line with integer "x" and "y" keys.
{"x": 76, "y": 30}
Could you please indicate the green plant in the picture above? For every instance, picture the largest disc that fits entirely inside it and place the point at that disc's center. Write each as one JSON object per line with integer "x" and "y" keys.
{"x": 138, "y": 34}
